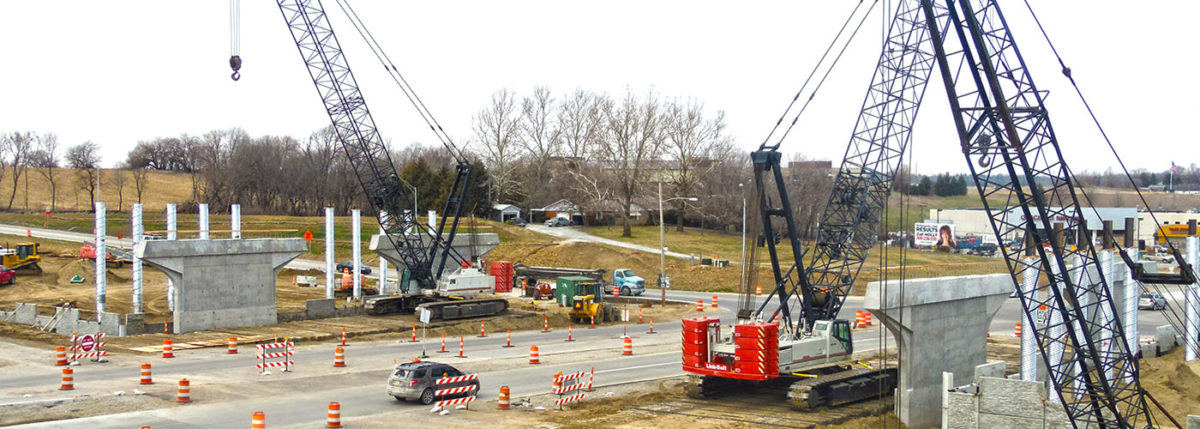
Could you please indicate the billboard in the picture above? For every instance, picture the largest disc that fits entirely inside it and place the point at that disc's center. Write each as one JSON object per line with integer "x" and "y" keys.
{"x": 929, "y": 234}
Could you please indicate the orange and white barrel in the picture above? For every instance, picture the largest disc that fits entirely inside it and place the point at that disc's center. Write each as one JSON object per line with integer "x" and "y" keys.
{"x": 145, "y": 374}
{"x": 757, "y": 290}
{"x": 184, "y": 394}
{"x": 503, "y": 402}
{"x": 168, "y": 350}
{"x": 867, "y": 314}
{"x": 860, "y": 321}
{"x": 333, "y": 419}
{"x": 628, "y": 348}
{"x": 534, "y": 357}
{"x": 258, "y": 420}
{"x": 60, "y": 356}
{"x": 714, "y": 304}
{"x": 339, "y": 357}
{"x": 232, "y": 350}
{"x": 68, "y": 379}
{"x": 1017, "y": 330}
{"x": 699, "y": 305}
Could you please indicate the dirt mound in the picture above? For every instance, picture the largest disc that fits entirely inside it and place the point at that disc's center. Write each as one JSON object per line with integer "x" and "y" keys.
{"x": 1174, "y": 383}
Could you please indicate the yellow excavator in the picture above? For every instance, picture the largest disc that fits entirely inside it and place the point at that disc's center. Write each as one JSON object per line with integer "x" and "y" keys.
{"x": 24, "y": 255}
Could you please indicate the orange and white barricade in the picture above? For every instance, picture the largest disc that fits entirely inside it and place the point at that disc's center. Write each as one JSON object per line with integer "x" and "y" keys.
{"x": 282, "y": 351}
{"x": 565, "y": 384}
{"x": 440, "y": 393}
{"x": 456, "y": 401}
{"x": 88, "y": 346}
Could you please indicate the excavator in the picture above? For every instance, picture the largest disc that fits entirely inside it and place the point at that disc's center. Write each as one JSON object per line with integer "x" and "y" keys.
{"x": 429, "y": 284}
{"x": 1014, "y": 157}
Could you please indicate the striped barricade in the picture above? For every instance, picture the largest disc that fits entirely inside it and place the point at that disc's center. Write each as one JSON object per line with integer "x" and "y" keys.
{"x": 461, "y": 378}
{"x": 87, "y": 346}
{"x": 282, "y": 351}
{"x": 568, "y": 399}
{"x": 455, "y": 401}
{"x": 567, "y": 383}
{"x": 455, "y": 390}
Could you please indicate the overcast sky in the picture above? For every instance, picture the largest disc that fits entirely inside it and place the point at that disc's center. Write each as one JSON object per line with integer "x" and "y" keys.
{"x": 116, "y": 72}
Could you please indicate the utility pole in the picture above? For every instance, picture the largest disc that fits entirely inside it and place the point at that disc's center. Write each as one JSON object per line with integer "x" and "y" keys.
{"x": 662, "y": 249}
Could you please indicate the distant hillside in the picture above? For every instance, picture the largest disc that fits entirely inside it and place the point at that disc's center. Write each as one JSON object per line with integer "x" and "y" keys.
{"x": 161, "y": 188}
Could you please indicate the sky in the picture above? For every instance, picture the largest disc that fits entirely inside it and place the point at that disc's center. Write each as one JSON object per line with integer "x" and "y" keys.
{"x": 119, "y": 72}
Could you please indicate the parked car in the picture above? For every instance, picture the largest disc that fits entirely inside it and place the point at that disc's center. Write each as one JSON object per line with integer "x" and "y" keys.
{"x": 1152, "y": 301}
{"x": 7, "y": 276}
{"x": 518, "y": 222}
{"x": 415, "y": 381}
{"x": 559, "y": 221}
{"x": 349, "y": 265}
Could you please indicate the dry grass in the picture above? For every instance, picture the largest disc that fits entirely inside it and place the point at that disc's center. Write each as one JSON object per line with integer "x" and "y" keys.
{"x": 161, "y": 188}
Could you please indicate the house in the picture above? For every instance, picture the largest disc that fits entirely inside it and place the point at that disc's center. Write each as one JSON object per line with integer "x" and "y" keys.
{"x": 504, "y": 212}
{"x": 561, "y": 208}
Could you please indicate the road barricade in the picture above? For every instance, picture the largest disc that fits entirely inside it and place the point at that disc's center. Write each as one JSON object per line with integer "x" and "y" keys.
{"x": 442, "y": 393}
{"x": 564, "y": 384}
{"x": 88, "y": 346}
{"x": 282, "y": 351}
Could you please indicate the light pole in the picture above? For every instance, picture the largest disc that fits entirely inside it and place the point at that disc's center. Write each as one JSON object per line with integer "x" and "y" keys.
{"x": 662, "y": 243}
{"x": 744, "y": 285}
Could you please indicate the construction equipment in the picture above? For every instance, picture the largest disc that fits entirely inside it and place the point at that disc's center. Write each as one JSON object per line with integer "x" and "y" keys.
{"x": 25, "y": 255}
{"x": 533, "y": 277}
{"x": 425, "y": 250}
{"x": 1014, "y": 157}
{"x": 112, "y": 257}
{"x": 567, "y": 288}
{"x": 585, "y": 309}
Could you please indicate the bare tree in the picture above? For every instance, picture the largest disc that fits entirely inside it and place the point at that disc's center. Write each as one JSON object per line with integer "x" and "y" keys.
{"x": 20, "y": 145}
{"x": 140, "y": 178}
{"x": 497, "y": 131}
{"x": 633, "y": 136}
{"x": 45, "y": 161}
{"x": 85, "y": 159}
{"x": 580, "y": 126}
{"x": 540, "y": 138}
{"x": 695, "y": 146}
{"x": 117, "y": 178}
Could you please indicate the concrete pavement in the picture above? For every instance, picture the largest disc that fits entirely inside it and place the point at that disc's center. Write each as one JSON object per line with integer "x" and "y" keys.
{"x": 576, "y": 234}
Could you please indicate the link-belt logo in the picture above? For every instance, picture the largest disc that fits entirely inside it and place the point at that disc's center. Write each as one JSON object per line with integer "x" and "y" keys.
{"x": 716, "y": 366}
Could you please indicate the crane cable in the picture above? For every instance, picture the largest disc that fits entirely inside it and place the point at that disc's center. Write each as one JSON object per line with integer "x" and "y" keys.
{"x": 816, "y": 67}
{"x": 235, "y": 38}
{"x": 1066, "y": 71}
{"x": 823, "y": 78}
{"x": 400, "y": 81}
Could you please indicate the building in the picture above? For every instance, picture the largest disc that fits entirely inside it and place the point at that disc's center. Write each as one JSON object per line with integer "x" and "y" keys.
{"x": 975, "y": 222}
{"x": 504, "y": 212}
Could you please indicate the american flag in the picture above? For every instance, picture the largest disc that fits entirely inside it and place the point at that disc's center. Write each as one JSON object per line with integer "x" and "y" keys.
{"x": 1173, "y": 167}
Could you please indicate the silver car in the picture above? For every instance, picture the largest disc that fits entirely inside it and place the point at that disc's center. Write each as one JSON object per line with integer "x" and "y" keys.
{"x": 1152, "y": 301}
{"x": 413, "y": 381}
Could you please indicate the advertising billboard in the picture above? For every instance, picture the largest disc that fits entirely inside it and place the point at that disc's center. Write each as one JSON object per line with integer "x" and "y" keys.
{"x": 929, "y": 234}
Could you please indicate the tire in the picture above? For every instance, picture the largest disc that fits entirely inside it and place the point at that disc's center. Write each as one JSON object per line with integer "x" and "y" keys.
{"x": 626, "y": 292}
{"x": 427, "y": 396}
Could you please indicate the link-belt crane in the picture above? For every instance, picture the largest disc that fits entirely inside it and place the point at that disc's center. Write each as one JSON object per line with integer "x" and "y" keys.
{"x": 1007, "y": 140}
{"x": 424, "y": 250}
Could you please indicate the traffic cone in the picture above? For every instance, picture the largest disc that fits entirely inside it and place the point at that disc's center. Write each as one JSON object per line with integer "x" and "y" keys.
{"x": 461, "y": 342}
{"x": 591, "y": 378}
{"x": 628, "y": 348}
{"x": 167, "y": 350}
{"x": 339, "y": 357}
{"x": 145, "y": 375}
{"x": 443, "y": 350}
{"x": 592, "y": 323}
{"x": 482, "y": 331}
{"x": 639, "y": 315}
{"x": 232, "y": 346}
{"x": 68, "y": 379}
{"x": 534, "y": 357}
{"x": 333, "y": 419}
{"x": 60, "y": 355}
{"x": 414, "y": 334}
{"x": 545, "y": 324}
{"x": 570, "y": 333}
{"x": 651, "y": 325}
{"x": 508, "y": 338}
{"x": 184, "y": 394}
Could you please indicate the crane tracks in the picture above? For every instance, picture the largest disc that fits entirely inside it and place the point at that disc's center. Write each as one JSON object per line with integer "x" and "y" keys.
{"x": 764, "y": 407}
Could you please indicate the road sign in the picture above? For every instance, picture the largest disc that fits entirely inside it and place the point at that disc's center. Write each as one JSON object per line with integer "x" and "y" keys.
{"x": 87, "y": 343}
{"x": 425, "y": 315}
{"x": 308, "y": 236}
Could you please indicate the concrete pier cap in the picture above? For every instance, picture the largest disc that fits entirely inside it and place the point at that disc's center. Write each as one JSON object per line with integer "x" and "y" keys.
{"x": 484, "y": 243}
{"x": 941, "y": 325}
{"x": 222, "y": 283}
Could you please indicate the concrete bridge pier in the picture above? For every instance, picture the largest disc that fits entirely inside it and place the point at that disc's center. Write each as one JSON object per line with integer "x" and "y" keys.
{"x": 941, "y": 325}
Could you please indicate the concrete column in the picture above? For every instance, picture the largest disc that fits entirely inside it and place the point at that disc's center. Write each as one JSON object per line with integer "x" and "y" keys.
{"x": 135, "y": 272}
{"x": 1055, "y": 330}
{"x": 383, "y": 217}
{"x": 1190, "y": 301}
{"x": 172, "y": 234}
{"x": 1079, "y": 272}
{"x": 356, "y": 242}
{"x": 204, "y": 221}
{"x": 101, "y": 252}
{"x": 329, "y": 264}
{"x": 432, "y": 219}
{"x": 1029, "y": 348}
{"x": 235, "y": 221}
{"x": 1132, "y": 292}
{"x": 1106, "y": 338}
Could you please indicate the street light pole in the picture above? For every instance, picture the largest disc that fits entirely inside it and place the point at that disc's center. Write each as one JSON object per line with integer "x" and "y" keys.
{"x": 662, "y": 249}
{"x": 744, "y": 279}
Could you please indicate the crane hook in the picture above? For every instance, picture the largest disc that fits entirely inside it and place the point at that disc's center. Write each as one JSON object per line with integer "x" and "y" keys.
{"x": 235, "y": 62}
